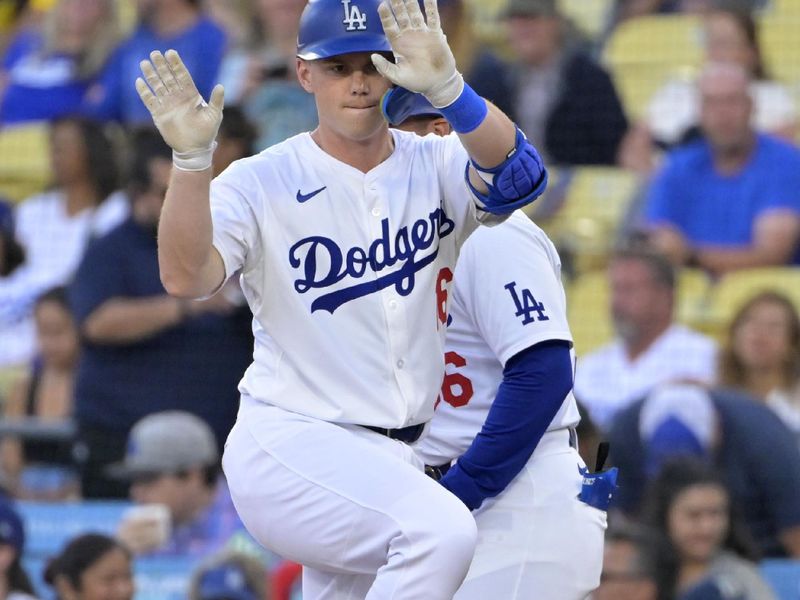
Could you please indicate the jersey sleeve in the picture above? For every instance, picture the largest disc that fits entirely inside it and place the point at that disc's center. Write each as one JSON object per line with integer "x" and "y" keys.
{"x": 236, "y": 219}
{"x": 516, "y": 298}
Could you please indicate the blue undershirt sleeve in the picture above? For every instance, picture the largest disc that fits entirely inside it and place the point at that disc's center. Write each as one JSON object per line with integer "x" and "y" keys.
{"x": 535, "y": 383}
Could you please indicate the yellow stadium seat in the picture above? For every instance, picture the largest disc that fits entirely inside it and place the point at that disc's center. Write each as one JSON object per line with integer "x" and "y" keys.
{"x": 590, "y": 17}
{"x": 587, "y": 223}
{"x": 588, "y": 311}
{"x": 645, "y": 52}
{"x": 733, "y": 290}
{"x": 24, "y": 160}
{"x": 780, "y": 43}
{"x": 694, "y": 288}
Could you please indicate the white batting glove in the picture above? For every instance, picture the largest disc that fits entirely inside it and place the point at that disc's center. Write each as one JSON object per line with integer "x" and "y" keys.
{"x": 424, "y": 61}
{"x": 187, "y": 123}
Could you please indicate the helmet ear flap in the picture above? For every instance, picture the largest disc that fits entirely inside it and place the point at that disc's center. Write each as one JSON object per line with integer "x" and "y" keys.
{"x": 333, "y": 27}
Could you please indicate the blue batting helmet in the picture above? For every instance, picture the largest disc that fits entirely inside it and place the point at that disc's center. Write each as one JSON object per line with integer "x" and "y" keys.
{"x": 399, "y": 104}
{"x": 333, "y": 27}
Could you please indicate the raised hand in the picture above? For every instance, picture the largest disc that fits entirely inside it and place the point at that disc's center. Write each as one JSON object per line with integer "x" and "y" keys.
{"x": 424, "y": 62}
{"x": 186, "y": 122}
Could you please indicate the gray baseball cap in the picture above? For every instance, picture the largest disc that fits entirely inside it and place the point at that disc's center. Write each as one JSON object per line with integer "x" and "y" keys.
{"x": 167, "y": 442}
{"x": 531, "y": 8}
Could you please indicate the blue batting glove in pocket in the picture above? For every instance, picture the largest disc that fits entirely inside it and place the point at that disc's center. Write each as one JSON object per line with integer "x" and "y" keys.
{"x": 598, "y": 488}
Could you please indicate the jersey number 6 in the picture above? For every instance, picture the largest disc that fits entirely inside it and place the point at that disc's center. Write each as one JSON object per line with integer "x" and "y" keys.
{"x": 456, "y": 388}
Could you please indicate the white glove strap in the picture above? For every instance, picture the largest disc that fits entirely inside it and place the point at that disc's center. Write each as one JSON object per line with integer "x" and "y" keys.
{"x": 446, "y": 93}
{"x": 195, "y": 160}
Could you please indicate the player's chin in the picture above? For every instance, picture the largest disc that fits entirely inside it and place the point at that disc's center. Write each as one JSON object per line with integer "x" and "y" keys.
{"x": 364, "y": 123}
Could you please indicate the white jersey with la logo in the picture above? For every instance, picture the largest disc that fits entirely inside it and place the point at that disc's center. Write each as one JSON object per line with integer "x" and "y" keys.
{"x": 346, "y": 273}
{"x": 507, "y": 296}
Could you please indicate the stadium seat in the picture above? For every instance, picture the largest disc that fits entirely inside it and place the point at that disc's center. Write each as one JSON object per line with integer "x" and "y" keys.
{"x": 590, "y": 17}
{"x": 645, "y": 52}
{"x": 595, "y": 201}
{"x": 780, "y": 45}
{"x": 783, "y": 575}
{"x": 24, "y": 160}
{"x": 733, "y": 290}
{"x": 588, "y": 311}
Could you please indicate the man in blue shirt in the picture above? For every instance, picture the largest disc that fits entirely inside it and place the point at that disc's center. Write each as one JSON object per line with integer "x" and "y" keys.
{"x": 163, "y": 24}
{"x": 144, "y": 351}
{"x": 753, "y": 450}
{"x": 731, "y": 200}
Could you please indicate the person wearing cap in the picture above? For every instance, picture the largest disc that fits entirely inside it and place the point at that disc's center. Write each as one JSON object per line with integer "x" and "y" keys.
{"x": 230, "y": 576}
{"x": 172, "y": 460}
{"x": 503, "y": 435}
{"x": 143, "y": 351}
{"x": 754, "y": 451}
{"x": 14, "y": 581}
{"x": 562, "y": 99}
{"x": 346, "y": 238}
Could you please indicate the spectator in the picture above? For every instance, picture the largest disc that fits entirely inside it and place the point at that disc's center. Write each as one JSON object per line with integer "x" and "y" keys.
{"x": 54, "y": 227}
{"x": 630, "y": 570}
{"x": 731, "y": 36}
{"x": 752, "y": 449}
{"x": 762, "y": 356}
{"x": 235, "y": 138}
{"x": 708, "y": 546}
{"x": 649, "y": 349}
{"x": 45, "y": 74}
{"x": 173, "y": 460}
{"x": 230, "y": 576}
{"x": 42, "y": 469}
{"x": 90, "y": 567}
{"x": 14, "y": 581}
{"x": 266, "y": 49}
{"x": 163, "y": 24}
{"x": 732, "y": 200}
{"x": 143, "y": 350}
{"x": 563, "y": 101}
{"x": 272, "y": 96}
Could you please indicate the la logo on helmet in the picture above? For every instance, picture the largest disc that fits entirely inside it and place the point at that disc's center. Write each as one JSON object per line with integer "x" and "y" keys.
{"x": 353, "y": 17}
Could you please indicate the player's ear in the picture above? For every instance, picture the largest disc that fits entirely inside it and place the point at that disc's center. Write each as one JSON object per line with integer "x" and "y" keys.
{"x": 439, "y": 126}
{"x": 304, "y": 75}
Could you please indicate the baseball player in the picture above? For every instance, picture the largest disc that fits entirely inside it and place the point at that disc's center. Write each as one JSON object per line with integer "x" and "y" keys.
{"x": 506, "y": 414}
{"x": 346, "y": 240}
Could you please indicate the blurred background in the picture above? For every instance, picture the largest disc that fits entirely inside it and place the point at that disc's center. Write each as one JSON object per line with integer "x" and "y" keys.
{"x": 670, "y": 129}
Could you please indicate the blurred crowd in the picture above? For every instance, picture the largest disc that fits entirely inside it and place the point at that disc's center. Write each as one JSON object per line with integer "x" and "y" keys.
{"x": 113, "y": 390}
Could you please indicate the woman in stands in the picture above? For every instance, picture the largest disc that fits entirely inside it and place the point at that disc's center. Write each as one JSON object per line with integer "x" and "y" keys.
{"x": 46, "y": 74}
{"x": 762, "y": 355}
{"x": 14, "y": 581}
{"x": 39, "y": 469}
{"x": 92, "y": 567}
{"x": 707, "y": 554}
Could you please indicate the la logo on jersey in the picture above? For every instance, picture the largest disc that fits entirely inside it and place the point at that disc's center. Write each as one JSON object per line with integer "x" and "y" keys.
{"x": 322, "y": 263}
{"x": 526, "y": 305}
{"x": 353, "y": 17}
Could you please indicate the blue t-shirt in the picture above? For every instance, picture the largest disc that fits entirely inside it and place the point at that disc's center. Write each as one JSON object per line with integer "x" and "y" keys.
{"x": 40, "y": 86}
{"x": 721, "y": 210}
{"x": 201, "y": 48}
{"x": 757, "y": 457}
{"x": 194, "y": 366}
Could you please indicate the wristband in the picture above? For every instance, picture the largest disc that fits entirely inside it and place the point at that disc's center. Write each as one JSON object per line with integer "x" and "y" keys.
{"x": 194, "y": 160}
{"x": 467, "y": 112}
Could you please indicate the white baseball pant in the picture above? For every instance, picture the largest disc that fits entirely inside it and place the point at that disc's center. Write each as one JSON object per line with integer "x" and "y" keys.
{"x": 537, "y": 540}
{"x": 351, "y": 505}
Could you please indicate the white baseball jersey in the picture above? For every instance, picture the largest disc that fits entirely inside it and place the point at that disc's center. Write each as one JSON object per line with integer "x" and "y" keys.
{"x": 507, "y": 297}
{"x": 346, "y": 274}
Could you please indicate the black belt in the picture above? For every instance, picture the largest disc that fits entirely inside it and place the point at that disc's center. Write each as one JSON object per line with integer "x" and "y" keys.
{"x": 438, "y": 471}
{"x": 409, "y": 434}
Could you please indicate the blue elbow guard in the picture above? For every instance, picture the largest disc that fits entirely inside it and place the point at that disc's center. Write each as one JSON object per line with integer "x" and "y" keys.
{"x": 515, "y": 182}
